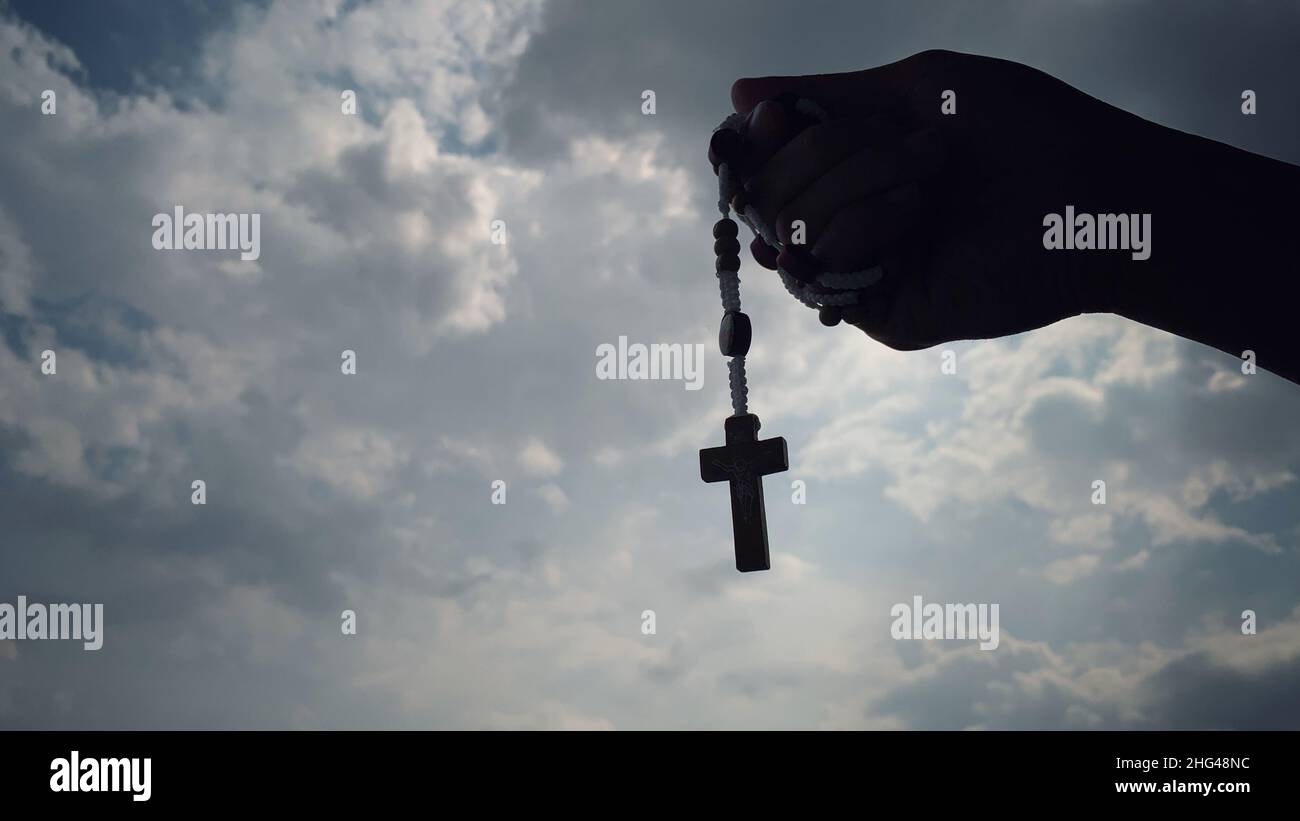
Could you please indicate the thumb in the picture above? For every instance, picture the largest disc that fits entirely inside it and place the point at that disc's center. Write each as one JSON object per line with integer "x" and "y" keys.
{"x": 872, "y": 88}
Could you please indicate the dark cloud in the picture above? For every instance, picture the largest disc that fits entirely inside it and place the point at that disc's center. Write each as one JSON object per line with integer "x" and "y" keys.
{"x": 1197, "y": 692}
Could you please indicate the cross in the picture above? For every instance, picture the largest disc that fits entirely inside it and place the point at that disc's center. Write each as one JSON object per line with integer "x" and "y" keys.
{"x": 743, "y": 462}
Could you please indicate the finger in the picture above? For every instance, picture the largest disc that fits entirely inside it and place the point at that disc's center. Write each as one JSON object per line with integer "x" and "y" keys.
{"x": 874, "y": 311}
{"x": 871, "y": 314}
{"x": 725, "y": 145}
{"x": 868, "y": 172}
{"x": 797, "y": 263}
{"x": 768, "y": 130}
{"x": 899, "y": 312}
{"x": 764, "y": 254}
{"x": 872, "y": 87}
{"x": 861, "y": 232}
{"x": 810, "y": 154}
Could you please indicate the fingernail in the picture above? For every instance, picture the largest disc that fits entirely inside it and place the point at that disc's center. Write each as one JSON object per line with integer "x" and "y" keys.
{"x": 818, "y": 249}
{"x": 763, "y": 113}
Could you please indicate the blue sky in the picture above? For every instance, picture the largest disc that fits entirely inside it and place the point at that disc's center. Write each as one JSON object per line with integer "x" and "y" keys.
{"x": 476, "y": 363}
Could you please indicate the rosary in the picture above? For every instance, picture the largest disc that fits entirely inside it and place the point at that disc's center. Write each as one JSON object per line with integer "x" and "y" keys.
{"x": 745, "y": 459}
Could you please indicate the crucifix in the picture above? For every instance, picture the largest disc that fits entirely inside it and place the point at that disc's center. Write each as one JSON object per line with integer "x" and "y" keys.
{"x": 743, "y": 462}
{"x": 745, "y": 459}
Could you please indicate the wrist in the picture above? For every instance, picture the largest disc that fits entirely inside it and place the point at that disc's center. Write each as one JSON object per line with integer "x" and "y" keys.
{"x": 1219, "y": 271}
{"x": 1165, "y": 209}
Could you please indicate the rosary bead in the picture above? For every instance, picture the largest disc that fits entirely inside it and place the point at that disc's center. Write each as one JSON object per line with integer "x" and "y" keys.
{"x": 725, "y": 227}
{"x": 830, "y": 315}
{"x": 728, "y": 262}
{"x": 734, "y": 334}
{"x": 726, "y": 245}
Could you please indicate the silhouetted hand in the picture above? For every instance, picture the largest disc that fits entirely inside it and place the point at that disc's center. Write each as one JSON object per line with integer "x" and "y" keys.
{"x": 952, "y": 205}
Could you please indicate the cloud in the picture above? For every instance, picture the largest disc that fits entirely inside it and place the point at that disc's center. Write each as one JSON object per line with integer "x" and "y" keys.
{"x": 539, "y": 460}
{"x": 554, "y": 496}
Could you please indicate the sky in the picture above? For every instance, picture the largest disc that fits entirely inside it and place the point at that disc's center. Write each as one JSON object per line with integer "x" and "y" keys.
{"x": 476, "y": 363}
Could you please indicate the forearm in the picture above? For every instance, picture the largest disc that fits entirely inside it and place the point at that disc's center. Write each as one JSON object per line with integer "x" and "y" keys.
{"x": 1222, "y": 269}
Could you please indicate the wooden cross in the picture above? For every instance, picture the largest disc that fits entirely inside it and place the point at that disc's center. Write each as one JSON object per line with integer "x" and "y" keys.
{"x": 743, "y": 462}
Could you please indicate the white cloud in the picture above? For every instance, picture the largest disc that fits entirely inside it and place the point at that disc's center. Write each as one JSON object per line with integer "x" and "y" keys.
{"x": 1088, "y": 530}
{"x": 554, "y": 496}
{"x": 540, "y": 460}
{"x": 1067, "y": 571}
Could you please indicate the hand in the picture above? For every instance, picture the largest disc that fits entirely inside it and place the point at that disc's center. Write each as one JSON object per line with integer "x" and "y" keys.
{"x": 950, "y": 205}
